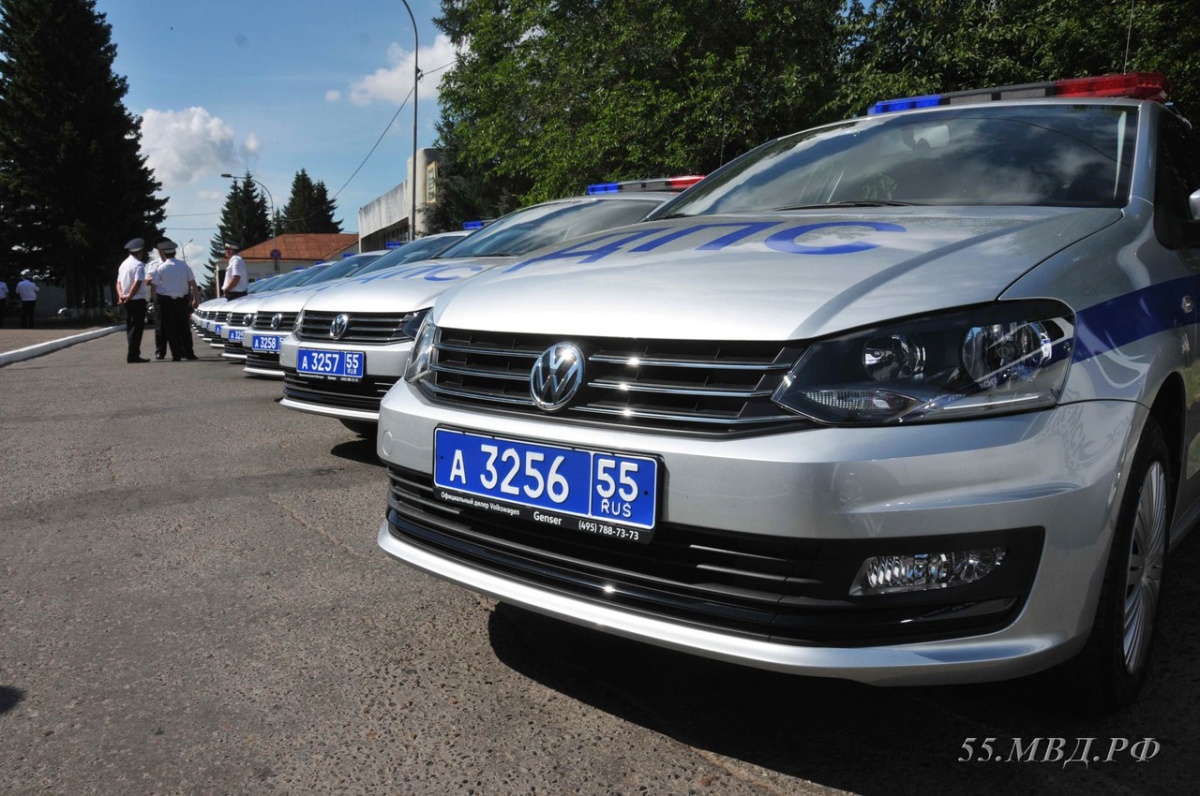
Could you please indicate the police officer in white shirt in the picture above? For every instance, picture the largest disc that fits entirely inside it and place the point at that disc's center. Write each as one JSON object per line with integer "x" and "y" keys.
{"x": 176, "y": 294}
{"x": 132, "y": 294}
{"x": 235, "y": 274}
{"x": 28, "y": 291}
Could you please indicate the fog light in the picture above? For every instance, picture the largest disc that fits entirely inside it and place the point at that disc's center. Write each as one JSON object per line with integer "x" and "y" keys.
{"x": 925, "y": 571}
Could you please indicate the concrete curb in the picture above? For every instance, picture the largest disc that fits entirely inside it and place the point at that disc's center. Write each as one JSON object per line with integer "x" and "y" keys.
{"x": 38, "y": 350}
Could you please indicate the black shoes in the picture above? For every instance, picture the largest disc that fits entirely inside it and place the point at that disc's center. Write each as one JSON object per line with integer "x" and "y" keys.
{"x": 191, "y": 357}
{"x": 131, "y": 360}
{"x": 159, "y": 356}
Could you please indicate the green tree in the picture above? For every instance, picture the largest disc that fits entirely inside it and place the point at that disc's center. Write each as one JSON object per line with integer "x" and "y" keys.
{"x": 244, "y": 220}
{"x": 309, "y": 209}
{"x": 896, "y": 48}
{"x": 73, "y": 183}
{"x": 554, "y": 94}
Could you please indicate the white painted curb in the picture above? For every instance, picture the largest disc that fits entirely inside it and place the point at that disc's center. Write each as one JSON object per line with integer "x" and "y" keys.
{"x": 38, "y": 350}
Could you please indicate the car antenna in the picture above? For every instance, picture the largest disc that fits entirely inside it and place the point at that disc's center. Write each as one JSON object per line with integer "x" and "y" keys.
{"x": 1128, "y": 36}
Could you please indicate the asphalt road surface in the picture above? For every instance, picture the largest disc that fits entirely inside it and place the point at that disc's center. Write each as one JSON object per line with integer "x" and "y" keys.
{"x": 191, "y": 601}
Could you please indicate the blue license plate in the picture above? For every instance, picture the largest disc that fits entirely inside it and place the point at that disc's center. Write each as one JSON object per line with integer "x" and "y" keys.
{"x": 236, "y": 335}
{"x": 216, "y": 329}
{"x": 265, "y": 342}
{"x": 344, "y": 364}
{"x": 600, "y": 492}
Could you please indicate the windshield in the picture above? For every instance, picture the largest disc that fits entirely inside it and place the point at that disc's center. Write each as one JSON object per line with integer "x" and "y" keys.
{"x": 541, "y": 225}
{"x": 420, "y": 249}
{"x": 1058, "y": 155}
{"x": 342, "y": 268}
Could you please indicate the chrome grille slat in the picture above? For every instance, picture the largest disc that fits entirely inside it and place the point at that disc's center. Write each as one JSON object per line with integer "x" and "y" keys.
{"x": 712, "y": 392}
{"x": 703, "y": 386}
{"x": 508, "y": 400}
{"x": 376, "y": 328}
{"x": 680, "y": 363}
{"x": 262, "y": 321}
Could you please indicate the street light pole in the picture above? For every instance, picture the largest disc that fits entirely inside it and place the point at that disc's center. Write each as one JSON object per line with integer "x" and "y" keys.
{"x": 274, "y": 233}
{"x": 412, "y": 209}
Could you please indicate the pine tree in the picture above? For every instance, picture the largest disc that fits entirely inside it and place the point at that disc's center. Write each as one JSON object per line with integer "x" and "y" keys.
{"x": 326, "y": 210}
{"x": 244, "y": 219}
{"x": 309, "y": 209}
{"x": 73, "y": 183}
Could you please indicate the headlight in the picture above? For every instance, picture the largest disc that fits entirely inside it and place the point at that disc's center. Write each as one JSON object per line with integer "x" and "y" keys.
{"x": 412, "y": 324}
{"x": 248, "y": 319}
{"x": 420, "y": 361}
{"x": 299, "y": 324}
{"x": 1007, "y": 357}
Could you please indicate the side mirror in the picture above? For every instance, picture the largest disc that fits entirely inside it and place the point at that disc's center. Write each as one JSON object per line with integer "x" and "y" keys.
{"x": 1194, "y": 205}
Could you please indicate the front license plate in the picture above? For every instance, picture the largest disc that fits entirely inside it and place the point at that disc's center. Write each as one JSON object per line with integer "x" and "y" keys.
{"x": 236, "y": 335}
{"x": 217, "y": 328}
{"x": 608, "y": 494}
{"x": 343, "y": 364}
{"x": 265, "y": 342}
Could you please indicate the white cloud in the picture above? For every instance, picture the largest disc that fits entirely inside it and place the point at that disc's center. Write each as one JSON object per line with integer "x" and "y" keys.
{"x": 333, "y": 95}
{"x": 393, "y": 82}
{"x": 183, "y": 147}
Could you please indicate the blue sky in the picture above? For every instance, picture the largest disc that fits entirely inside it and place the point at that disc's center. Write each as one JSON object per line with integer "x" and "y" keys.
{"x": 274, "y": 86}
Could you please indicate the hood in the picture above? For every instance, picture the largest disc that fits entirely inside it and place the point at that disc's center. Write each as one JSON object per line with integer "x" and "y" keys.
{"x": 404, "y": 288}
{"x": 771, "y": 277}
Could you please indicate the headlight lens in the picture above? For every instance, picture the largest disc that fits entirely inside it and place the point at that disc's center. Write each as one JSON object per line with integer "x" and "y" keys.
{"x": 420, "y": 361}
{"x": 1001, "y": 358}
{"x": 248, "y": 319}
{"x": 412, "y": 326}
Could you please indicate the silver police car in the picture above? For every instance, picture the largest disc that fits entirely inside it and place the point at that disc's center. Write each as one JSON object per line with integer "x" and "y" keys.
{"x": 906, "y": 399}
{"x": 351, "y": 344}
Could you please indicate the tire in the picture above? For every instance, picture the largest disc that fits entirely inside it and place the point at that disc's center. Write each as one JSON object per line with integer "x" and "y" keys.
{"x": 363, "y": 428}
{"x": 1109, "y": 672}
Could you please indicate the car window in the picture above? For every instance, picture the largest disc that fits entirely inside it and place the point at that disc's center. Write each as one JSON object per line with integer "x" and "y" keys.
{"x": 420, "y": 249}
{"x": 541, "y": 225}
{"x": 1177, "y": 177}
{"x": 1064, "y": 155}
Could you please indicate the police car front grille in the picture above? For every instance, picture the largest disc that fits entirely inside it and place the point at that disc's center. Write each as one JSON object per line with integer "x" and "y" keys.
{"x": 365, "y": 394}
{"x": 265, "y": 321}
{"x": 366, "y": 328}
{"x": 677, "y": 384}
{"x": 782, "y": 588}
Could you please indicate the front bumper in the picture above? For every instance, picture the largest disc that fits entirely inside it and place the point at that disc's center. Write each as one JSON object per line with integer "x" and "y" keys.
{"x": 1046, "y": 483}
{"x": 349, "y": 399}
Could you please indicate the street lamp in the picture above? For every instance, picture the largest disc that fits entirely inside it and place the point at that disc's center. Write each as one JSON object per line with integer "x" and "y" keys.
{"x": 412, "y": 209}
{"x": 274, "y": 234}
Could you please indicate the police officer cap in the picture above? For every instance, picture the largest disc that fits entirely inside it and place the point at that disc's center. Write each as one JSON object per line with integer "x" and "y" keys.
{"x": 231, "y": 245}
{"x": 166, "y": 245}
{"x": 135, "y": 245}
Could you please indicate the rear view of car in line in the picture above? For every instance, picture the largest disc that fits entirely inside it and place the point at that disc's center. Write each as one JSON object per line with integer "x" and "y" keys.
{"x": 905, "y": 399}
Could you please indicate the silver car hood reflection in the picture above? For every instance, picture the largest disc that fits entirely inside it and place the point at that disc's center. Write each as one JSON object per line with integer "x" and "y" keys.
{"x": 773, "y": 277}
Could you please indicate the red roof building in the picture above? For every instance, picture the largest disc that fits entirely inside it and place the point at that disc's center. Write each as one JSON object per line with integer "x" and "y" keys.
{"x": 295, "y": 250}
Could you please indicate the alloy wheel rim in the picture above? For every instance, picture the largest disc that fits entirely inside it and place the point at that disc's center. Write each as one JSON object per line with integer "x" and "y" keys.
{"x": 1144, "y": 567}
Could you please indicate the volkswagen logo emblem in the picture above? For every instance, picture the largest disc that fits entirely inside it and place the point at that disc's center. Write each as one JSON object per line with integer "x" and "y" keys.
{"x": 276, "y": 319}
{"x": 556, "y": 376}
{"x": 338, "y": 327}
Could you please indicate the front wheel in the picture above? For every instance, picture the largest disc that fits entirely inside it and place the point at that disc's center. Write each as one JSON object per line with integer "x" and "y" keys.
{"x": 1111, "y": 669}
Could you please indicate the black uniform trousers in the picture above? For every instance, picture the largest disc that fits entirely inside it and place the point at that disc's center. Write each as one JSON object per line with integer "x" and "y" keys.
{"x": 173, "y": 317}
{"x": 135, "y": 325}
